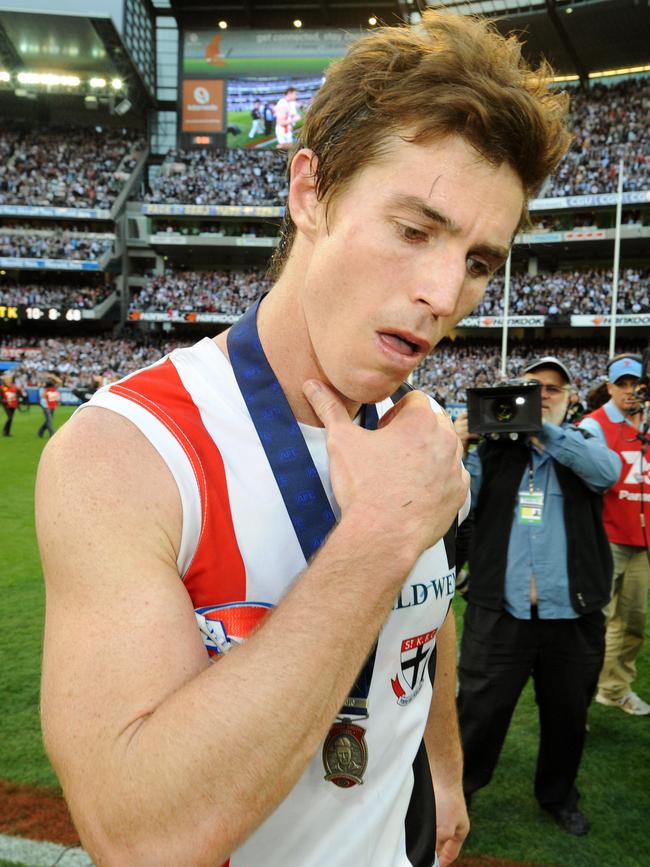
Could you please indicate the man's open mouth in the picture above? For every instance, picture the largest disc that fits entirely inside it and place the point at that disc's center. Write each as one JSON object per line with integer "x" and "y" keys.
{"x": 400, "y": 343}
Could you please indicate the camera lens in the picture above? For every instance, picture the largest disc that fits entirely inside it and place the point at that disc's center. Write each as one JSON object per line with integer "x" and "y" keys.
{"x": 505, "y": 409}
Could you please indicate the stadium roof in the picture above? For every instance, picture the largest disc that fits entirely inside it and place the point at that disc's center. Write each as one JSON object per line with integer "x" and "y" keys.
{"x": 578, "y": 36}
{"x": 282, "y": 13}
{"x": 63, "y": 43}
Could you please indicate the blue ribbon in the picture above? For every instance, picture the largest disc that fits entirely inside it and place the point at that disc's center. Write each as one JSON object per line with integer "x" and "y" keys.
{"x": 288, "y": 455}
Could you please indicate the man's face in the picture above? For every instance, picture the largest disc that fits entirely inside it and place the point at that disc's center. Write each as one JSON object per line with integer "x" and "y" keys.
{"x": 343, "y": 754}
{"x": 622, "y": 393}
{"x": 406, "y": 253}
{"x": 555, "y": 393}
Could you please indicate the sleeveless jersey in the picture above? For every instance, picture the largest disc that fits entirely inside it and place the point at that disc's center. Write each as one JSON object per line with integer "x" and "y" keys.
{"x": 10, "y": 396}
{"x": 238, "y": 557}
{"x": 622, "y": 502}
{"x": 52, "y": 397}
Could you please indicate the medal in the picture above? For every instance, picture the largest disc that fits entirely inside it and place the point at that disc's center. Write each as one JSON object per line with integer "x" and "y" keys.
{"x": 345, "y": 754}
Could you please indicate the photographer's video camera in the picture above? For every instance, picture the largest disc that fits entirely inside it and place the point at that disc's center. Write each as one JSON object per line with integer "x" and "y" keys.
{"x": 514, "y": 407}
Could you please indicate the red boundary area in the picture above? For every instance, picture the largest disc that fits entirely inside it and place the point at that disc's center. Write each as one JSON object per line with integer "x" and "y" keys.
{"x": 40, "y": 813}
{"x": 37, "y": 813}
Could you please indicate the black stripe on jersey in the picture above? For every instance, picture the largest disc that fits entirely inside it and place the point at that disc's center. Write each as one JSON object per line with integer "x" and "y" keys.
{"x": 420, "y": 823}
{"x": 450, "y": 544}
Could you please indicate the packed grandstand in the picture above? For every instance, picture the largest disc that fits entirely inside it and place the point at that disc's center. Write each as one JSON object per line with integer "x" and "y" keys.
{"x": 196, "y": 244}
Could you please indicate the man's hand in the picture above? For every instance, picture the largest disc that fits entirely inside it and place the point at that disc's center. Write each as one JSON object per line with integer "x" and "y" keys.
{"x": 406, "y": 478}
{"x": 452, "y": 823}
{"x": 462, "y": 430}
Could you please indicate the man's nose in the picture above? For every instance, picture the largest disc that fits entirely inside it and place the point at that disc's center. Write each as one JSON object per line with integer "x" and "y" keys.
{"x": 441, "y": 285}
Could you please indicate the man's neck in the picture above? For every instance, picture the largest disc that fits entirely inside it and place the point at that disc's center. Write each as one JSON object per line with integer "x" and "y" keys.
{"x": 287, "y": 346}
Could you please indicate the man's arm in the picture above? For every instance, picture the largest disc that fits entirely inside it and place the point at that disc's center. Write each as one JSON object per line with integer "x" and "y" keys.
{"x": 157, "y": 749}
{"x": 442, "y": 740}
{"x": 587, "y": 456}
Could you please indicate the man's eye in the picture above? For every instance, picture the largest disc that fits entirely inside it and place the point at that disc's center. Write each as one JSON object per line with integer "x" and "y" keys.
{"x": 410, "y": 233}
{"x": 477, "y": 268}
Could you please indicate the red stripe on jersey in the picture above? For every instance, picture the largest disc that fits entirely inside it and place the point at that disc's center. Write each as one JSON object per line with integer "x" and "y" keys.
{"x": 216, "y": 574}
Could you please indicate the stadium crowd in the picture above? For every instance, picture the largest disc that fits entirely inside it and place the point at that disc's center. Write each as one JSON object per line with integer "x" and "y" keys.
{"x": 82, "y": 168}
{"x": 229, "y": 292}
{"x": 453, "y": 367}
{"x": 236, "y": 177}
{"x": 52, "y": 295}
{"x": 547, "y": 293}
{"x": 609, "y": 122}
{"x": 80, "y": 362}
{"x": 60, "y": 245}
{"x": 230, "y": 228}
{"x": 580, "y": 291}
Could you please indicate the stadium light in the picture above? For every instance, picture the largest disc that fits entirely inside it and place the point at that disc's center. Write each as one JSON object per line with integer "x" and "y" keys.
{"x": 97, "y": 82}
{"x": 117, "y": 83}
{"x": 49, "y": 79}
{"x": 223, "y": 25}
{"x": 626, "y": 70}
{"x": 297, "y": 23}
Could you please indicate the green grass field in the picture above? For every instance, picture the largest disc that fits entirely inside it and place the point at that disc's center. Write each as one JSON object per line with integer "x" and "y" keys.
{"x": 614, "y": 779}
{"x": 250, "y": 67}
{"x": 243, "y": 120}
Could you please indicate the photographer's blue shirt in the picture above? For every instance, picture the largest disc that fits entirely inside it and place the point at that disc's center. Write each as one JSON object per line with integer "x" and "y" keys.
{"x": 540, "y": 550}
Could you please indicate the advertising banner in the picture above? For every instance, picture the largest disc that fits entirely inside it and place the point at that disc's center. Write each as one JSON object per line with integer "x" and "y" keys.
{"x": 268, "y": 53}
{"x": 46, "y": 211}
{"x": 632, "y": 198}
{"x": 600, "y": 320}
{"x": 203, "y": 105}
{"x": 497, "y": 322}
{"x": 177, "y": 316}
{"x": 49, "y": 264}
{"x": 213, "y": 210}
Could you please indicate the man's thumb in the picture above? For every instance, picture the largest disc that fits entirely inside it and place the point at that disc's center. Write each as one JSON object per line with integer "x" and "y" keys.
{"x": 327, "y": 406}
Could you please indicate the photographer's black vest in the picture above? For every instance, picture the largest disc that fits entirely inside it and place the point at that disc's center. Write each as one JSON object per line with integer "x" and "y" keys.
{"x": 589, "y": 559}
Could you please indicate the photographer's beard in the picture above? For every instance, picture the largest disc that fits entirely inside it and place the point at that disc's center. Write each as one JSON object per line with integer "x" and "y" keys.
{"x": 555, "y": 411}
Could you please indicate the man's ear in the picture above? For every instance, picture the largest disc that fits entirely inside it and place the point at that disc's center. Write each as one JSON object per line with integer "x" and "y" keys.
{"x": 303, "y": 202}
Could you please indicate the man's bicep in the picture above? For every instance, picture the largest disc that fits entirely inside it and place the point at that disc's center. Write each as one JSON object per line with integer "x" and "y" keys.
{"x": 120, "y": 632}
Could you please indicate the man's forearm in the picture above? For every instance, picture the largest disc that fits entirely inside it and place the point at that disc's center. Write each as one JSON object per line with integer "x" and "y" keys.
{"x": 205, "y": 770}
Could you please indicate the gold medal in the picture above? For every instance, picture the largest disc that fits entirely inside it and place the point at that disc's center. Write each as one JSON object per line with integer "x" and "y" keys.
{"x": 345, "y": 754}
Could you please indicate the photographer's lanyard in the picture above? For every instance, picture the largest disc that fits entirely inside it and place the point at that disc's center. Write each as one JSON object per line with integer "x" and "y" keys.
{"x": 531, "y": 502}
{"x": 296, "y": 476}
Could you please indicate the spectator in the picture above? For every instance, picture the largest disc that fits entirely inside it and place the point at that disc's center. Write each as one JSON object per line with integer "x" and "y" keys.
{"x": 617, "y": 423}
{"x": 75, "y": 168}
{"x": 539, "y": 576}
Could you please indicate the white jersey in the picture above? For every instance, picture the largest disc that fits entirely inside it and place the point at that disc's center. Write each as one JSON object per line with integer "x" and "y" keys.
{"x": 238, "y": 557}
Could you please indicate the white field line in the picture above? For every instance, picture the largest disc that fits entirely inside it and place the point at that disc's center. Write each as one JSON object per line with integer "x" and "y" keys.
{"x": 33, "y": 853}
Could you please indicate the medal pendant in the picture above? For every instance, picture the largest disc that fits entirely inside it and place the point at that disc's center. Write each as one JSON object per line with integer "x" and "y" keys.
{"x": 345, "y": 754}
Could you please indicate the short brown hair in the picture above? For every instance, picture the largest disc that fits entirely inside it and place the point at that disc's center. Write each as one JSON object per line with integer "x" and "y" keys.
{"x": 450, "y": 74}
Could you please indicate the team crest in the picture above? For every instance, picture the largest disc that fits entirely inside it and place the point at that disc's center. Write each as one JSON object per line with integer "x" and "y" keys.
{"x": 223, "y": 626}
{"x": 414, "y": 656}
{"x": 345, "y": 754}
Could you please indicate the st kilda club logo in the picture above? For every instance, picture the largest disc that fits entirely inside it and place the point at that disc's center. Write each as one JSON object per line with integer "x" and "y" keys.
{"x": 414, "y": 656}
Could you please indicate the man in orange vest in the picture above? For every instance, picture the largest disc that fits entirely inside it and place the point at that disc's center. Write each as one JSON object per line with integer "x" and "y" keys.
{"x": 50, "y": 399}
{"x": 10, "y": 394}
{"x": 626, "y": 517}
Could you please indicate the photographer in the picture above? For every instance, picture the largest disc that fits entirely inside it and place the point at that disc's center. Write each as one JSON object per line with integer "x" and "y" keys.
{"x": 617, "y": 424}
{"x": 539, "y": 566}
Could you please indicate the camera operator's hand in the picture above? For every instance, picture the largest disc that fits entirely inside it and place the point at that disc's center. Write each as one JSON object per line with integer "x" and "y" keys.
{"x": 462, "y": 431}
